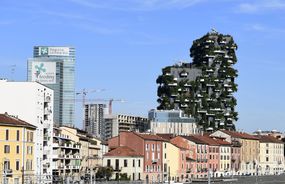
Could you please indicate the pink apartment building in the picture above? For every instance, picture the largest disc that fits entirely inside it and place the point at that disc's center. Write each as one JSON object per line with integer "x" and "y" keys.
{"x": 148, "y": 145}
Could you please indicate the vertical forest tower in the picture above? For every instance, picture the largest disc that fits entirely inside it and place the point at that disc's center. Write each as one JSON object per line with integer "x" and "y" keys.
{"x": 204, "y": 88}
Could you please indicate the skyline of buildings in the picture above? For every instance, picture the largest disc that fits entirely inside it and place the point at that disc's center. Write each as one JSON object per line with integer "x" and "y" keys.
{"x": 54, "y": 66}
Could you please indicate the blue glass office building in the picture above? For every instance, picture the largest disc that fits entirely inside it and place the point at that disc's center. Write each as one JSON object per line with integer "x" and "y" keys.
{"x": 54, "y": 67}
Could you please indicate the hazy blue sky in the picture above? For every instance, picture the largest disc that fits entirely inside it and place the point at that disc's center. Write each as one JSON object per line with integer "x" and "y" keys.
{"x": 121, "y": 46}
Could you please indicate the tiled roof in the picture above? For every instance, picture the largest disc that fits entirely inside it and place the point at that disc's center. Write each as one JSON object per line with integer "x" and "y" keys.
{"x": 8, "y": 120}
{"x": 150, "y": 137}
{"x": 166, "y": 136}
{"x": 222, "y": 142}
{"x": 241, "y": 135}
{"x": 123, "y": 151}
{"x": 204, "y": 139}
{"x": 195, "y": 139}
{"x": 268, "y": 139}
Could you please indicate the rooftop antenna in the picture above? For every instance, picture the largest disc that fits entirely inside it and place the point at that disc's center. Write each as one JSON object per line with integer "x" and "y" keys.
{"x": 12, "y": 70}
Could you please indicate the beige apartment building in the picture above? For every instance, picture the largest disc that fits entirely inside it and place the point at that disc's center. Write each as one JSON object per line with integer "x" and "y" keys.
{"x": 271, "y": 155}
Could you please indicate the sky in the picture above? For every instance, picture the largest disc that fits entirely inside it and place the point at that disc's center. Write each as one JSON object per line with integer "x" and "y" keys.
{"x": 122, "y": 45}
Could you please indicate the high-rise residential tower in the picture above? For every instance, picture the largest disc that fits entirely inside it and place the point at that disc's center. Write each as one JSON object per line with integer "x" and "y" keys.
{"x": 55, "y": 68}
{"x": 94, "y": 119}
{"x": 205, "y": 87}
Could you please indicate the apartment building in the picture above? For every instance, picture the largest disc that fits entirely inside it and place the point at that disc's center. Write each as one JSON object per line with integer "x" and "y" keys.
{"x": 271, "y": 155}
{"x": 249, "y": 150}
{"x": 33, "y": 103}
{"x": 94, "y": 119}
{"x": 148, "y": 145}
{"x": 203, "y": 88}
{"x": 114, "y": 124}
{"x": 125, "y": 160}
{"x": 177, "y": 163}
{"x": 66, "y": 156}
{"x": 17, "y": 149}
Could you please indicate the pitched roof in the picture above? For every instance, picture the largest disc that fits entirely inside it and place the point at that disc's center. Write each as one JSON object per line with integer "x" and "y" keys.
{"x": 166, "y": 136}
{"x": 204, "y": 139}
{"x": 268, "y": 139}
{"x": 241, "y": 135}
{"x": 222, "y": 142}
{"x": 8, "y": 120}
{"x": 123, "y": 151}
{"x": 195, "y": 139}
{"x": 150, "y": 137}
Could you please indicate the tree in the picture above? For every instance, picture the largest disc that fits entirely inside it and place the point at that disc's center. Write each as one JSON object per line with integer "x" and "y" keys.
{"x": 124, "y": 177}
{"x": 104, "y": 173}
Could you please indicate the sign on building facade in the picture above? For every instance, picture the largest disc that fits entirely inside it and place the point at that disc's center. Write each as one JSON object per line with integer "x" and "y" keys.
{"x": 44, "y": 72}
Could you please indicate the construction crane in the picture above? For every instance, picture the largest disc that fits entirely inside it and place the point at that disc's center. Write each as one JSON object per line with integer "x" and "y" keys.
{"x": 84, "y": 92}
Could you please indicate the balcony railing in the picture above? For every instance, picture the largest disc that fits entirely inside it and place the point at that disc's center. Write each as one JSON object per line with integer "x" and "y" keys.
{"x": 47, "y": 99}
{"x": 154, "y": 161}
{"x": 47, "y": 111}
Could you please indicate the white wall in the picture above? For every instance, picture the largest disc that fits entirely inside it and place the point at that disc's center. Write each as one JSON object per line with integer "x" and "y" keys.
{"x": 26, "y": 100}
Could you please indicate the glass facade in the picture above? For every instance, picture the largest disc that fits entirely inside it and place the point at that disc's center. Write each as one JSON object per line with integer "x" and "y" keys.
{"x": 169, "y": 116}
{"x": 63, "y": 70}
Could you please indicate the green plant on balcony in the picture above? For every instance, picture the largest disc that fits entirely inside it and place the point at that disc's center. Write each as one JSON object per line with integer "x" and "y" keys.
{"x": 166, "y": 70}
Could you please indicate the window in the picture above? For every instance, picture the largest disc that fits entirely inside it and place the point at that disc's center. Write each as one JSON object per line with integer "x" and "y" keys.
{"x": 153, "y": 147}
{"x": 6, "y": 164}
{"x": 6, "y": 149}
{"x": 7, "y": 135}
{"x": 31, "y": 136}
{"x": 29, "y": 165}
{"x": 125, "y": 163}
{"x": 108, "y": 163}
{"x": 164, "y": 155}
{"x": 267, "y": 151}
{"x": 117, "y": 165}
{"x": 139, "y": 163}
{"x": 165, "y": 145}
{"x": 18, "y": 135}
{"x": 134, "y": 163}
{"x": 146, "y": 148}
{"x": 28, "y": 136}
{"x": 17, "y": 165}
{"x": 17, "y": 149}
{"x": 16, "y": 181}
{"x": 267, "y": 159}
